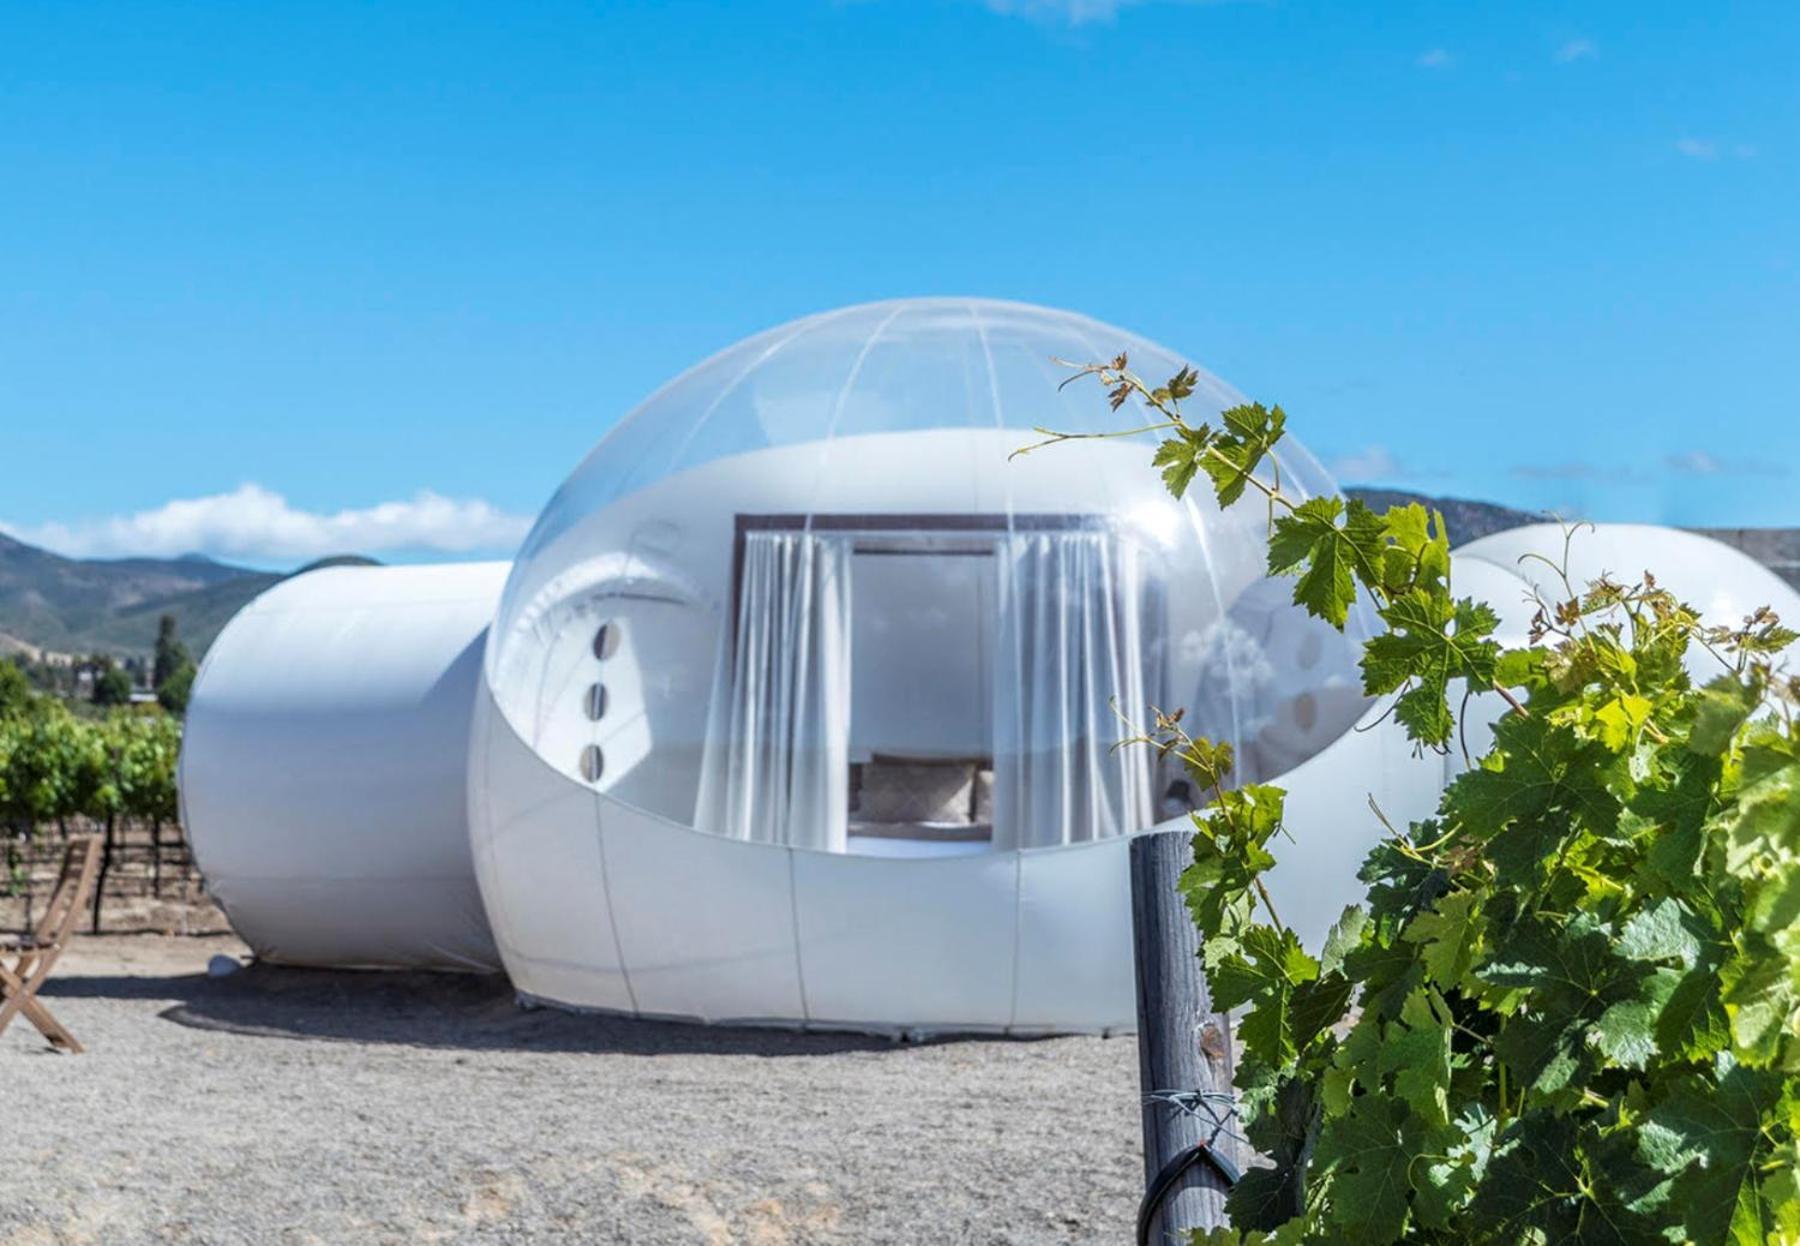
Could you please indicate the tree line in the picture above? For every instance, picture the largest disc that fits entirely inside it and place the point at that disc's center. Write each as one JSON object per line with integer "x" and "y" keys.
{"x": 102, "y": 680}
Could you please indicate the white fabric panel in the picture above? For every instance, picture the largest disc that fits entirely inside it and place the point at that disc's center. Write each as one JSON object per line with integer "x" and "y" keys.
{"x": 907, "y": 944}
{"x": 1069, "y": 681}
{"x": 1075, "y": 953}
{"x": 324, "y": 760}
{"x": 777, "y": 761}
{"x": 913, "y": 849}
{"x": 359, "y": 922}
{"x": 538, "y": 859}
{"x": 508, "y": 780}
{"x": 705, "y": 924}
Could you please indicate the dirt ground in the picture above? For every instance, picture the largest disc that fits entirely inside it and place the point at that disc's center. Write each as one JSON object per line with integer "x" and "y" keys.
{"x": 280, "y": 1105}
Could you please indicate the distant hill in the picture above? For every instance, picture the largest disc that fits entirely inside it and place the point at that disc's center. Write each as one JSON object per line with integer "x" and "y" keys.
{"x": 78, "y": 605}
{"x": 1466, "y": 520}
{"x": 1778, "y": 549}
{"x": 75, "y": 605}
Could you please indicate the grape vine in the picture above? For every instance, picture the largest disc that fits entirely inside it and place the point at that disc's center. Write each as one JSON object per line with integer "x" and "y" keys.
{"x": 1568, "y": 1010}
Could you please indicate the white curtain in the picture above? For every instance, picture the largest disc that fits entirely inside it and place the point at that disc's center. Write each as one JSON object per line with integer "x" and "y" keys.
{"x": 777, "y": 763}
{"x": 1077, "y": 649}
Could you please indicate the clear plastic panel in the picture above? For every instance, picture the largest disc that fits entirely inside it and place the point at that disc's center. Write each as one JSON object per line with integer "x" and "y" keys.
{"x": 1005, "y": 620}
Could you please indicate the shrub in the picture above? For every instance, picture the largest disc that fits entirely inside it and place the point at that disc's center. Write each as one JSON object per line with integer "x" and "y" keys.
{"x": 1569, "y": 1008}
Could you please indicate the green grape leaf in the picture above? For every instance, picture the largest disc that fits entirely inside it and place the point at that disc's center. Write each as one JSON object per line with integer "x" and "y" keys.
{"x": 1524, "y": 853}
{"x": 1520, "y": 668}
{"x": 1694, "y": 1025}
{"x": 1283, "y": 1122}
{"x": 1230, "y": 853}
{"x": 1626, "y": 1033}
{"x": 1621, "y": 718}
{"x": 1442, "y": 1198}
{"x": 1416, "y": 1054}
{"x": 1369, "y": 1153}
{"x": 1274, "y": 974}
{"x": 1431, "y": 641}
{"x": 1536, "y": 769}
{"x": 1260, "y": 1200}
{"x": 1447, "y": 937}
{"x": 1723, "y": 706}
{"x": 1318, "y": 1005}
{"x": 1666, "y": 930}
{"x": 1401, "y": 882}
{"x": 1345, "y": 935}
{"x": 1577, "y": 986}
{"x": 1763, "y": 830}
{"x": 1672, "y": 811}
{"x": 1327, "y": 558}
{"x": 1760, "y": 1000}
{"x": 1541, "y": 1187}
{"x": 1179, "y": 457}
{"x": 1689, "y": 1021}
{"x": 1781, "y": 1195}
{"x": 1415, "y": 551}
{"x": 1250, "y": 431}
{"x": 1577, "y": 981}
{"x": 1709, "y": 1135}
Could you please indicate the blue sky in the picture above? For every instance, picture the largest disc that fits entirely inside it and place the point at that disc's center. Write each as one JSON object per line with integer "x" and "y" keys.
{"x": 281, "y": 278}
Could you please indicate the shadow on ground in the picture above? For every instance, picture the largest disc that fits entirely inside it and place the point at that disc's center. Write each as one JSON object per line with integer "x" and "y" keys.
{"x": 467, "y": 1011}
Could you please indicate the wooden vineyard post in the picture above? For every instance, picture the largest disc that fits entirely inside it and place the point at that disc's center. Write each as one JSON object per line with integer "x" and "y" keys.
{"x": 1183, "y": 1045}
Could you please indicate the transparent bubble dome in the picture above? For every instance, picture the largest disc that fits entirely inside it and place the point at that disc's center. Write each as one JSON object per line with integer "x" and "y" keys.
{"x": 805, "y": 594}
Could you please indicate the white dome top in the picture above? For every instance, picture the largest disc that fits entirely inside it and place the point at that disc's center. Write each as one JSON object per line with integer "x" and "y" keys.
{"x": 888, "y": 428}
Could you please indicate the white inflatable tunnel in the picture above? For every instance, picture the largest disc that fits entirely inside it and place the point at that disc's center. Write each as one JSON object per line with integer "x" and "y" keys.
{"x": 322, "y": 771}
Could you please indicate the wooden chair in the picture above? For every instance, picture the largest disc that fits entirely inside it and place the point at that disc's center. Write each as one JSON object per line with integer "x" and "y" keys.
{"x": 36, "y": 955}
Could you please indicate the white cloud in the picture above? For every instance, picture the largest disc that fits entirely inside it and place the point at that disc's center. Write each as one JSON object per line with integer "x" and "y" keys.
{"x": 1067, "y": 12}
{"x": 1435, "y": 58}
{"x": 1695, "y": 463}
{"x": 1576, "y": 50}
{"x": 1704, "y": 463}
{"x": 1369, "y": 465}
{"x": 255, "y": 523}
{"x": 1076, "y": 12}
{"x": 1377, "y": 465}
{"x": 1711, "y": 149}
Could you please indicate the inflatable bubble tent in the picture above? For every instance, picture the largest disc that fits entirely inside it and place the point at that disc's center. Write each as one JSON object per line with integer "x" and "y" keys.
{"x": 802, "y": 700}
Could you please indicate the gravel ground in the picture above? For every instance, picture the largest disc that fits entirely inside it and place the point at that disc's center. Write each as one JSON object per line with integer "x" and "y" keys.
{"x": 299, "y": 1106}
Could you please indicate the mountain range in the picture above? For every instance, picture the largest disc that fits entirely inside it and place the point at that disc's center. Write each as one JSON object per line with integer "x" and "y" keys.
{"x": 111, "y": 605}
{"x": 76, "y": 605}
{"x": 1778, "y": 549}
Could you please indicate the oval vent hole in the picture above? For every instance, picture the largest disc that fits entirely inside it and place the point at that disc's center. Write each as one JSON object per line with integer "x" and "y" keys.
{"x": 606, "y": 640}
{"x": 593, "y": 763}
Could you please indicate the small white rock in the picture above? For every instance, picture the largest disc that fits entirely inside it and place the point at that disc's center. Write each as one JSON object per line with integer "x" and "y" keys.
{"x": 222, "y": 966}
